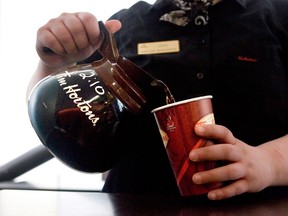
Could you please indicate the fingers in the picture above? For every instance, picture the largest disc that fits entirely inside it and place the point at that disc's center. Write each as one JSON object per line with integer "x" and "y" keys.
{"x": 234, "y": 173}
{"x": 221, "y": 174}
{"x": 68, "y": 33}
{"x": 215, "y": 132}
{"x": 244, "y": 168}
{"x": 90, "y": 24}
{"x": 233, "y": 189}
{"x": 218, "y": 152}
{"x": 69, "y": 38}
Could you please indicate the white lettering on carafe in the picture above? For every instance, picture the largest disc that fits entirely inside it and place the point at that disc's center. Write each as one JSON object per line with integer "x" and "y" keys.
{"x": 81, "y": 104}
{"x": 73, "y": 93}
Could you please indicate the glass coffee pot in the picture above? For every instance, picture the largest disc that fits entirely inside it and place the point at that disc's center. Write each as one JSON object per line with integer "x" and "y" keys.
{"x": 74, "y": 112}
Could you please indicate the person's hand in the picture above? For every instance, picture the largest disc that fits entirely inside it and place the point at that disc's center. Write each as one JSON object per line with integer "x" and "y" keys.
{"x": 70, "y": 38}
{"x": 247, "y": 168}
{"x": 66, "y": 40}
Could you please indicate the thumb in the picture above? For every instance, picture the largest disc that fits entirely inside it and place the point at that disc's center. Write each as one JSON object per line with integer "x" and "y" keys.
{"x": 113, "y": 25}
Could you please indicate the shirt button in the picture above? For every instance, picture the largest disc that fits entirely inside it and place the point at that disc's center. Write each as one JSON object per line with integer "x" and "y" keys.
{"x": 200, "y": 75}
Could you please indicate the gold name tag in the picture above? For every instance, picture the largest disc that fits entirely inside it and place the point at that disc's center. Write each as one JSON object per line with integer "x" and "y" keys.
{"x": 158, "y": 47}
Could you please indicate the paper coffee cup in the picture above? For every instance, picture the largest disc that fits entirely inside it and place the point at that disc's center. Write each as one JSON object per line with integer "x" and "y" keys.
{"x": 176, "y": 122}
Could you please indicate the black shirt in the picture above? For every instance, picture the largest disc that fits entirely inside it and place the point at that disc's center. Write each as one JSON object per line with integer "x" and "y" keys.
{"x": 240, "y": 57}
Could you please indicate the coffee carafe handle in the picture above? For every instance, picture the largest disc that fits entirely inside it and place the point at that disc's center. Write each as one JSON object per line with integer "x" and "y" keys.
{"x": 108, "y": 48}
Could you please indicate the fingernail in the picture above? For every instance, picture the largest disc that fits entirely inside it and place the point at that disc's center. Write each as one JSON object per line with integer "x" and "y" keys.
{"x": 193, "y": 156}
{"x": 196, "y": 179}
{"x": 199, "y": 129}
{"x": 212, "y": 196}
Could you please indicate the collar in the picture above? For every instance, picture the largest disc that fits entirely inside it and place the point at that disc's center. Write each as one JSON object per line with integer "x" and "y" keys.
{"x": 187, "y": 11}
{"x": 165, "y": 4}
{"x": 181, "y": 13}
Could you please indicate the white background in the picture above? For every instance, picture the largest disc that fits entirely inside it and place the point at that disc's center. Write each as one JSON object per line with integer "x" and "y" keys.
{"x": 19, "y": 21}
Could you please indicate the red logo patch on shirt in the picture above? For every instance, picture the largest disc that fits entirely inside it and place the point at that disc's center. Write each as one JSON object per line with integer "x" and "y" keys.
{"x": 247, "y": 59}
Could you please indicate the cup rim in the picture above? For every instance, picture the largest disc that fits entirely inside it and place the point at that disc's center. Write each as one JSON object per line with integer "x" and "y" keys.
{"x": 181, "y": 102}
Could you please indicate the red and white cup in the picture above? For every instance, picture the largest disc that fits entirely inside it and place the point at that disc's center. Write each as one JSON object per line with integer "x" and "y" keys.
{"x": 176, "y": 122}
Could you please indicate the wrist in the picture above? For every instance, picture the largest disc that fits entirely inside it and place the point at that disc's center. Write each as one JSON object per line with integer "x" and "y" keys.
{"x": 276, "y": 160}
